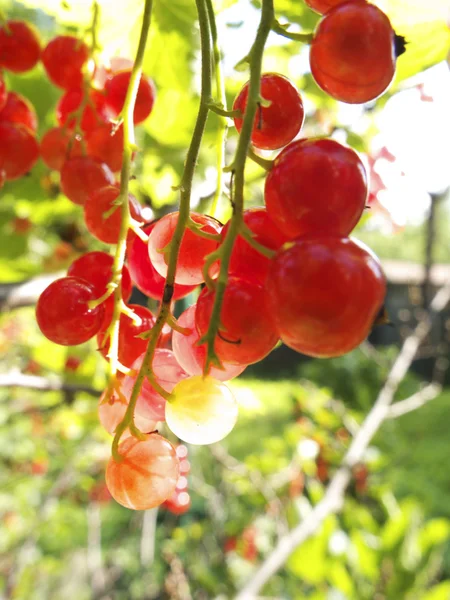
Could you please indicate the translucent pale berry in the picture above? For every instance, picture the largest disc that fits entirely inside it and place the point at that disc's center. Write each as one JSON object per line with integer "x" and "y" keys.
{"x": 130, "y": 346}
{"x": 64, "y": 58}
{"x": 324, "y": 294}
{"x": 316, "y": 186}
{"x": 107, "y": 228}
{"x": 147, "y": 474}
{"x": 202, "y": 410}
{"x": 246, "y": 334}
{"x": 55, "y": 147}
{"x": 193, "y": 249}
{"x": 105, "y": 143}
{"x": 19, "y": 46}
{"x": 352, "y": 54}
{"x": 63, "y": 314}
{"x": 167, "y": 372}
{"x": 94, "y": 114}
{"x": 191, "y": 356}
{"x": 19, "y": 150}
{"x": 275, "y": 125}
{"x": 144, "y": 275}
{"x": 116, "y": 88}
{"x": 111, "y": 411}
{"x": 82, "y": 176}
{"x": 19, "y": 110}
{"x": 97, "y": 268}
{"x": 246, "y": 262}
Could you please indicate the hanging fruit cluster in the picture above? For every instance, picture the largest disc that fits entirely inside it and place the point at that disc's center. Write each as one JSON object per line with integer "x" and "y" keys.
{"x": 283, "y": 271}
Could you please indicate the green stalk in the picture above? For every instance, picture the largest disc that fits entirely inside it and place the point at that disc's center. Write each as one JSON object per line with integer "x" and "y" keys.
{"x": 164, "y": 314}
{"x": 238, "y": 168}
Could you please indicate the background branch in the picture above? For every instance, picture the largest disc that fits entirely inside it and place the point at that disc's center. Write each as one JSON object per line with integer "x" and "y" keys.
{"x": 44, "y": 384}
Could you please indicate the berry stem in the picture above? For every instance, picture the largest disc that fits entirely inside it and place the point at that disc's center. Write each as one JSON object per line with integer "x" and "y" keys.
{"x": 259, "y": 160}
{"x": 164, "y": 314}
{"x": 306, "y": 38}
{"x": 255, "y": 56}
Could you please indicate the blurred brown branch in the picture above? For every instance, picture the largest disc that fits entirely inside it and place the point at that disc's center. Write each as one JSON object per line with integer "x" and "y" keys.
{"x": 44, "y": 384}
{"x": 333, "y": 498}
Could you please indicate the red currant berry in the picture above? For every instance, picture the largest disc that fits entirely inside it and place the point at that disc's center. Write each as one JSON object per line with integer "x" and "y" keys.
{"x": 19, "y": 150}
{"x": 82, "y": 176}
{"x": 111, "y": 411}
{"x": 316, "y": 186}
{"x": 324, "y": 294}
{"x": 147, "y": 473}
{"x": 191, "y": 356}
{"x": 64, "y": 58}
{"x": 323, "y": 6}
{"x": 130, "y": 346}
{"x": 55, "y": 147}
{"x": 352, "y": 54}
{"x": 193, "y": 249}
{"x": 19, "y": 46}
{"x": 100, "y": 203}
{"x": 116, "y": 89}
{"x": 3, "y": 92}
{"x": 178, "y": 503}
{"x": 63, "y": 313}
{"x": 105, "y": 143}
{"x": 144, "y": 275}
{"x": 246, "y": 334}
{"x": 246, "y": 261}
{"x": 278, "y": 124}
{"x": 94, "y": 113}
{"x": 19, "y": 110}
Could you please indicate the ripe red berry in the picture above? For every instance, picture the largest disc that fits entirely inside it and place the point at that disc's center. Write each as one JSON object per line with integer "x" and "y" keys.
{"x": 107, "y": 229}
{"x": 324, "y": 294}
{"x": 63, "y": 314}
{"x": 178, "y": 503}
{"x": 275, "y": 125}
{"x": 246, "y": 262}
{"x": 130, "y": 346}
{"x": 55, "y": 147}
{"x": 352, "y": 54}
{"x": 19, "y": 150}
{"x": 191, "y": 356}
{"x": 97, "y": 268}
{"x": 64, "y": 58}
{"x": 316, "y": 186}
{"x": 323, "y": 6}
{"x": 147, "y": 473}
{"x": 81, "y": 176}
{"x": 116, "y": 89}
{"x": 94, "y": 113}
{"x": 19, "y": 110}
{"x": 144, "y": 275}
{"x": 246, "y": 334}
{"x": 105, "y": 143}
{"x": 3, "y": 92}
{"x": 193, "y": 249}
{"x": 19, "y": 46}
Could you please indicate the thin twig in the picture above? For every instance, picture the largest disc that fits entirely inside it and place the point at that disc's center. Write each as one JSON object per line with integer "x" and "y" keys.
{"x": 423, "y": 396}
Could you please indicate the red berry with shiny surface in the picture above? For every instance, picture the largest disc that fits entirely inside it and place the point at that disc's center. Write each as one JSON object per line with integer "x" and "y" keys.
{"x": 19, "y": 110}
{"x": 144, "y": 275}
{"x": 94, "y": 114}
{"x": 3, "y": 92}
{"x": 63, "y": 314}
{"x": 130, "y": 346}
{"x": 193, "y": 249}
{"x": 116, "y": 89}
{"x": 147, "y": 473}
{"x": 19, "y": 46}
{"x": 275, "y": 125}
{"x": 324, "y": 294}
{"x": 19, "y": 150}
{"x": 81, "y": 176}
{"x": 191, "y": 356}
{"x": 316, "y": 186}
{"x": 246, "y": 334}
{"x": 323, "y": 6}
{"x": 107, "y": 229}
{"x": 352, "y": 55}
{"x": 105, "y": 143}
{"x": 64, "y": 58}
{"x": 55, "y": 147}
{"x": 246, "y": 261}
